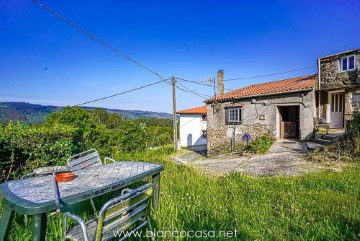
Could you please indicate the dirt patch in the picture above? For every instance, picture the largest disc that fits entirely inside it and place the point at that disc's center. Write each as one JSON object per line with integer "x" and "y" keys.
{"x": 285, "y": 158}
{"x": 278, "y": 165}
{"x": 265, "y": 165}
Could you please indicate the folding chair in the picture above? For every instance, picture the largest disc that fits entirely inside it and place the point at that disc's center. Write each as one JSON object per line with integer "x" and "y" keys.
{"x": 118, "y": 217}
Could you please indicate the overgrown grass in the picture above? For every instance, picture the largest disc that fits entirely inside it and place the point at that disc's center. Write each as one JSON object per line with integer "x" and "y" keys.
{"x": 322, "y": 206}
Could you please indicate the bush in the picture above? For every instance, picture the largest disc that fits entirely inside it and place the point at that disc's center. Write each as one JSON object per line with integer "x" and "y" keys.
{"x": 24, "y": 148}
{"x": 260, "y": 144}
{"x": 109, "y": 133}
{"x": 72, "y": 130}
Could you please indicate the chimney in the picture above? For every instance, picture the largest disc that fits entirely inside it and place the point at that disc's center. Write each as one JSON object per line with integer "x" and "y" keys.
{"x": 220, "y": 82}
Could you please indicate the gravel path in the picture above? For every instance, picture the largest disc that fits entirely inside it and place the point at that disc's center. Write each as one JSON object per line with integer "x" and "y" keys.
{"x": 285, "y": 157}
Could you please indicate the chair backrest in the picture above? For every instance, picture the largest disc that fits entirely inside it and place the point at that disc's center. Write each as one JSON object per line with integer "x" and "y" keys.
{"x": 123, "y": 212}
{"x": 84, "y": 159}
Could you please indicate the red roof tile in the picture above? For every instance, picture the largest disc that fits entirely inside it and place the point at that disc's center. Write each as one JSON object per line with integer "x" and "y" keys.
{"x": 196, "y": 110}
{"x": 275, "y": 87}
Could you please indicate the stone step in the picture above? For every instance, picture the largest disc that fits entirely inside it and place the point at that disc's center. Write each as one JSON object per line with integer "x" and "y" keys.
{"x": 323, "y": 141}
{"x": 331, "y": 137}
{"x": 314, "y": 146}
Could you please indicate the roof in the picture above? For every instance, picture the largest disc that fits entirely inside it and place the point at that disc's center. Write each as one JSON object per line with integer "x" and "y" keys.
{"x": 269, "y": 88}
{"x": 342, "y": 53}
{"x": 196, "y": 110}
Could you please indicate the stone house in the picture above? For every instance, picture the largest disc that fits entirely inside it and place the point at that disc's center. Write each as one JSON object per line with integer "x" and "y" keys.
{"x": 193, "y": 127}
{"x": 338, "y": 87}
{"x": 285, "y": 108}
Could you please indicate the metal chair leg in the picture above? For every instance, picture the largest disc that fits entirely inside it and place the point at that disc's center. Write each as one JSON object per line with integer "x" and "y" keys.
{"x": 93, "y": 205}
{"x": 151, "y": 229}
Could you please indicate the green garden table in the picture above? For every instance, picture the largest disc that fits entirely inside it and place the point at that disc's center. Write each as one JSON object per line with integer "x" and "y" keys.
{"x": 36, "y": 196}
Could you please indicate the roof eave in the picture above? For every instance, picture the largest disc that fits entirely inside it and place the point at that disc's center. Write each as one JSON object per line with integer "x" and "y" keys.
{"x": 198, "y": 113}
{"x": 341, "y": 53}
{"x": 251, "y": 96}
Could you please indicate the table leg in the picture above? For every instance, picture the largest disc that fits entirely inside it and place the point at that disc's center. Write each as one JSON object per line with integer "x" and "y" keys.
{"x": 39, "y": 227}
{"x": 5, "y": 223}
{"x": 156, "y": 183}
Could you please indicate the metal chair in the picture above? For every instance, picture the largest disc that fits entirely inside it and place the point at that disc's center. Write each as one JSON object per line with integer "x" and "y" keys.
{"x": 89, "y": 158}
{"x": 115, "y": 219}
{"x": 80, "y": 161}
{"x": 86, "y": 159}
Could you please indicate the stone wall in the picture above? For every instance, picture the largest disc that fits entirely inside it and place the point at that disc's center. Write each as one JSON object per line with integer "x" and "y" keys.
{"x": 332, "y": 78}
{"x": 355, "y": 99}
{"x": 220, "y": 135}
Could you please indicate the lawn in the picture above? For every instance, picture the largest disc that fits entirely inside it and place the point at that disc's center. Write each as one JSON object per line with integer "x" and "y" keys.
{"x": 321, "y": 206}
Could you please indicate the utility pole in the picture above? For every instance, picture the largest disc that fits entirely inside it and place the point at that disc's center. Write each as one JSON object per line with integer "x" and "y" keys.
{"x": 173, "y": 82}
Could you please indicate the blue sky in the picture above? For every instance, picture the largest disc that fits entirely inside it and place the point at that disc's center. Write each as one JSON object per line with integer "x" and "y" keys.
{"x": 44, "y": 60}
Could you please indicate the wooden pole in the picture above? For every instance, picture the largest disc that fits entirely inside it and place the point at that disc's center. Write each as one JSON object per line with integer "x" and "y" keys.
{"x": 173, "y": 82}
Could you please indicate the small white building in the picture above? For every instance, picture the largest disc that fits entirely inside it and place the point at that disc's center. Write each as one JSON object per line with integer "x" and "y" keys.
{"x": 193, "y": 127}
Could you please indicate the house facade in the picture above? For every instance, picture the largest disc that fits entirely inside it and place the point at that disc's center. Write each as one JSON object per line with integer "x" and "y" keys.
{"x": 193, "y": 127}
{"x": 338, "y": 87}
{"x": 285, "y": 108}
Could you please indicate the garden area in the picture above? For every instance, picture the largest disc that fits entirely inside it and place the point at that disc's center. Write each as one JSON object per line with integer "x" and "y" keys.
{"x": 317, "y": 206}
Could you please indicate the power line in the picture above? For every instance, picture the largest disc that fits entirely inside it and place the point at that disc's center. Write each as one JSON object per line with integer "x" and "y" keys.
{"x": 97, "y": 39}
{"x": 121, "y": 93}
{"x": 195, "y": 82}
{"x": 266, "y": 75}
{"x": 186, "y": 89}
{"x": 201, "y": 83}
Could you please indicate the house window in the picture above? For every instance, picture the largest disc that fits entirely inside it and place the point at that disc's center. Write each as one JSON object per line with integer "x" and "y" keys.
{"x": 233, "y": 116}
{"x": 203, "y": 117}
{"x": 348, "y": 63}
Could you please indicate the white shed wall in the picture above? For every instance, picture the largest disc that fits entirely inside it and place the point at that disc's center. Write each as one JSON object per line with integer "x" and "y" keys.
{"x": 191, "y": 126}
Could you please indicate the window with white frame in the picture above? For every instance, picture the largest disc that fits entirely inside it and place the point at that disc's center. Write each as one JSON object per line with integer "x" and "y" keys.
{"x": 233, "y": 116}
{"x": 347, "y": 63}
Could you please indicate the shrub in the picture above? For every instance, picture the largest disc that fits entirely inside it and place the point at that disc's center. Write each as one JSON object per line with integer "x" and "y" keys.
{"x": 24, "y": 148}
{"x": 260, "y": 144}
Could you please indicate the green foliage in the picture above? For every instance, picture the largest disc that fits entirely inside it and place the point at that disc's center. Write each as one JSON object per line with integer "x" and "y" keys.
{"x": 72, "y": 116}
{"x": 133, "y": 138}
{"x": 109, "y": 133}
{"x": 102, "y": 117}
{"x": 154, "y": 122}
{"x": 24, "y": 148}
{"x": 355, "y": 121}
{"x": 72, "y": 130}
{"x": 260, "y": 144}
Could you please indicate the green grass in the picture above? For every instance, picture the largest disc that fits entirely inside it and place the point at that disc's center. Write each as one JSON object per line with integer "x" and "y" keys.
{"x": 321, "y": 206}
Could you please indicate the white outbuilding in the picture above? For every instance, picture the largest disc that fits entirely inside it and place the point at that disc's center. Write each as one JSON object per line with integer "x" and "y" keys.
{"x": 193, "y": 127}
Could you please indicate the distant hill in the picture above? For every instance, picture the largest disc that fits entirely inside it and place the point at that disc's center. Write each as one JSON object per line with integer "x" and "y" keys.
{"x": 34, "y": 114}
